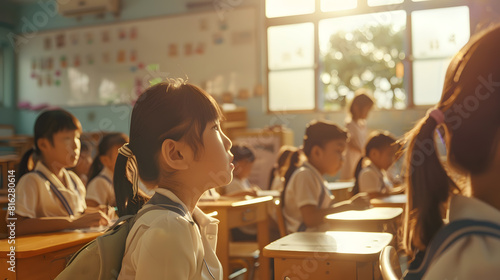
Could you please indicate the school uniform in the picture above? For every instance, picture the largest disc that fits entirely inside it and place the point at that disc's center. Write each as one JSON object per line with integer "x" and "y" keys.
{"x": 373, "y": 180}
{"x": 35, "y": 198}
{"x": 101, "y": 189}
{"x": 358, "y": 135}
{"x": 277, "y": 183}
{"x": 473, "y": 256}
{"x": 306, "y": 187}
{"x": 165, "y": 245}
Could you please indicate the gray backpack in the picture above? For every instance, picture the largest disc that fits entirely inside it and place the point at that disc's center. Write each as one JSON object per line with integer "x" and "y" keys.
{"x": 102, "y": 258}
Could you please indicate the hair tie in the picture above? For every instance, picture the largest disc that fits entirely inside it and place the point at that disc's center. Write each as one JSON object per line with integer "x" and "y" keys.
{"x": 132, "y": 170}
{"x": 437, "y": 115}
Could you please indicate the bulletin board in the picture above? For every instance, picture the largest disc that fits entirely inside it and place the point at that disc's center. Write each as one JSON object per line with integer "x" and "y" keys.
{"x": 265, "y": 145}
{"x": 113, "y": 63}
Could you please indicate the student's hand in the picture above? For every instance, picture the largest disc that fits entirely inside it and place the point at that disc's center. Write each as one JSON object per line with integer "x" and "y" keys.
{"x": 361, "y": 201}
{"x": 91, "y": 219}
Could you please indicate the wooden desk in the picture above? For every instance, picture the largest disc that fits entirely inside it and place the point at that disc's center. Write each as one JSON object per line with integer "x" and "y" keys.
{"x": 341, "y": 190}
{"x": 8, "y": 162}
{"x": 236, "y": 213}
{"x": 377, "y": 219}
{"x": 42, "y": 256}
{"x": 397, "y": 200}
{"x": 327, "y": 255}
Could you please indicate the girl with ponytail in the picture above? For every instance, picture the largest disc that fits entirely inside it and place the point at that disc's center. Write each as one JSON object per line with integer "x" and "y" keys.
{"x": 51, "y": 198}
{"x": 178, "y": 149}
{"x": 100, "y": 187}
{"x": 469, "y": 115}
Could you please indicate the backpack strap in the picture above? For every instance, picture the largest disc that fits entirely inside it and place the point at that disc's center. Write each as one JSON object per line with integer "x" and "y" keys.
{"x": 58, "y": 193}
{"x": 444, "y": 239}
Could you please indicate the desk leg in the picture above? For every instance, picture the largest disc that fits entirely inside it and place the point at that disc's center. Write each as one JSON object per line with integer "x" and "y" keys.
{"x": 263, "y": 240}
{"x": 223, "y": 243}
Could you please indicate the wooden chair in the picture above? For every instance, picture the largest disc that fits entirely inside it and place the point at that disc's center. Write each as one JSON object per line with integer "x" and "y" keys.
{"x": 280, "y": 219}
{"x": 244, "y": 256}
{"x": 389, "y": 264}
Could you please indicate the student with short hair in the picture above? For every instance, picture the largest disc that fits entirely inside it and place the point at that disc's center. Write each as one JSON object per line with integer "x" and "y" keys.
{"x": 51, "y": 198}
{"x": 178, "y": 148}
{"x": 100, "y": 189}
{"x": 305, "y": 199}
{"x": 371, "y": 176}
{"x": 243, "y": 163}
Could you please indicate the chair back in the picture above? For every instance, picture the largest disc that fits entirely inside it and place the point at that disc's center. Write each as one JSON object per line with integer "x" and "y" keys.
{"x": 280, "y": 219}
{"x": 389, "y": 264}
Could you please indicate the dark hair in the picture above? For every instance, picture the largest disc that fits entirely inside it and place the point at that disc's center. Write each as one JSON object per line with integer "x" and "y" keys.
{"x": 379, "y": 140}
{"x": 107, "y": 142}
{"x": 318, "y": 133}
{"x": 283, "y": 155}
{"x": 293, "y": 165}
{"x": 164, "y": 111}
{"x": 242, "y": 152}
{"x": 47, "y": 124}
{"x": 470, "y": 103}
{"x": 361, "y": 99}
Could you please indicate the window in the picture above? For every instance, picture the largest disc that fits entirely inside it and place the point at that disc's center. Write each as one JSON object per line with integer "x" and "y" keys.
{"x": 320, "y": 52}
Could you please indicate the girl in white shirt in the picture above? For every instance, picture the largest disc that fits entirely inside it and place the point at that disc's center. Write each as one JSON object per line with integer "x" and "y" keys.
{"x": 469, "y": 114}
{"x": 176, "y": 145}
{"x": 371, "y": 176}
{"x": 51, "y": 198}
{"x": 358, "y": 132}
{"x": 100, "y": 187}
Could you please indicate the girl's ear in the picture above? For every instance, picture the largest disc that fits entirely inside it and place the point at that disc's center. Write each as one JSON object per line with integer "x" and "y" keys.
{"x": 176, "y": 154}
{"x": 316, "y": 151}
{"x": 43, "y": 144}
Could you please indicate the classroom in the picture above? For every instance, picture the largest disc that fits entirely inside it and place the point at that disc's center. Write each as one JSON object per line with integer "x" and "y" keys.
{"x": 249, "y": 139}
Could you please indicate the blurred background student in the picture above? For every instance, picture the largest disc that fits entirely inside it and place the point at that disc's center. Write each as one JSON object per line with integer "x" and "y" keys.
{"x": 371, "y": 170}
{"x": 51, "y": 198}
{"x": 358, "y": 132}
{"x": 100, "y": 189}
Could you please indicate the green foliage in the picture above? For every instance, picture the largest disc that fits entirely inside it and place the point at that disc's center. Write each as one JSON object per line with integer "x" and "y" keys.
{"x": 366, "y": 57}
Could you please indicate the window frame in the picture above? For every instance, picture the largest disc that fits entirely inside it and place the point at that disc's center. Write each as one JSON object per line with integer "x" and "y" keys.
{"x": 362, "y": 9}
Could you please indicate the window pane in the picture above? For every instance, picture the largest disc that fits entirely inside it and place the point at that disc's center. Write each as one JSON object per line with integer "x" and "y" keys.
{"x": 363, "y": 51}
{"x": 290, "y": 46}
{"x": 428, "y": 79}
{"x": 281, "y": 8}
{"x": 439, "y": 33}
{"x": 337, "y": 5}
{"x": 383, "y": 2}
{"x": 291, "y": 90}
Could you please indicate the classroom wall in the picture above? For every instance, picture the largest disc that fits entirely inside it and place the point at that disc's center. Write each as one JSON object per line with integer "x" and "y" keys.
{"x": 117, "y": 117}
{"x": 9, "y": 14}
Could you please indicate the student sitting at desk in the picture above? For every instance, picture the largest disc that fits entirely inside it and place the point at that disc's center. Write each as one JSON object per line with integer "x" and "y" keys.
{"x": 277, "y": 176}
{"x": 243, "y": 163}
{"x": 371, "y": 178}
{"x": 306, "y": 199}
{"x": 50, "y": 198}
{"x": 100, "y": 189}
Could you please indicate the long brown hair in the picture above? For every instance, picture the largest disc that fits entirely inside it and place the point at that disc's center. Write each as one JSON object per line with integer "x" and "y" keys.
{"x": 168, "y": 110}
{"x": 471, "y": 105}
